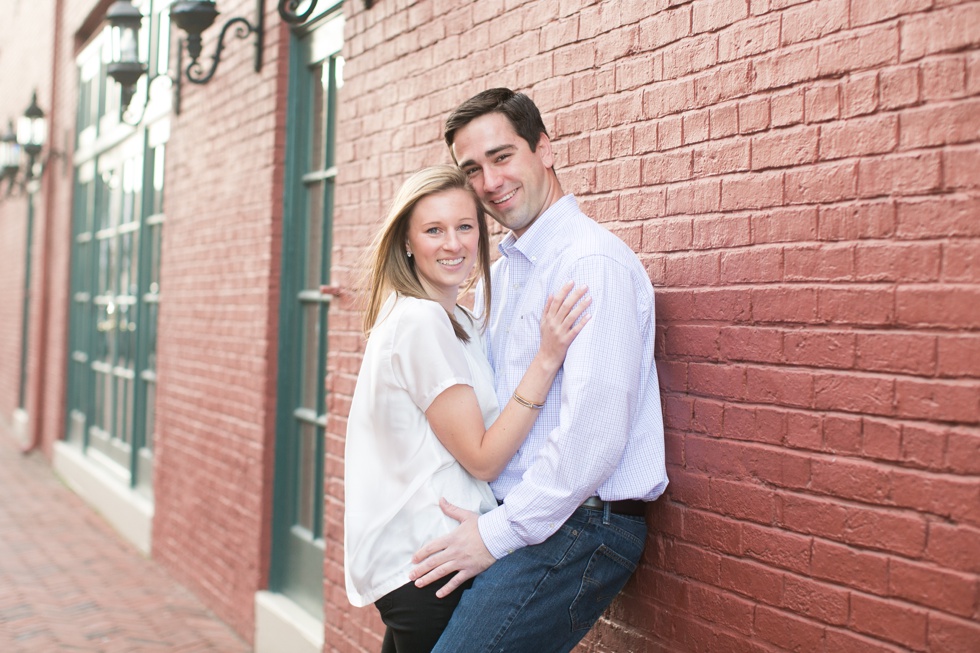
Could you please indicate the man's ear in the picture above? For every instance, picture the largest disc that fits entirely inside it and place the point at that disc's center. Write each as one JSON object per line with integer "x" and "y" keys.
{"x": 544, "y": 151}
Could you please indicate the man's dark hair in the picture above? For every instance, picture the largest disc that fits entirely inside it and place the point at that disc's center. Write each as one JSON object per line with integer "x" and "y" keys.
{"x": 519, "y": 109}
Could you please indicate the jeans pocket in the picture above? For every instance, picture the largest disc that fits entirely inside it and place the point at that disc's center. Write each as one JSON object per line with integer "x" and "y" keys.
{"x": 604, "y": 576}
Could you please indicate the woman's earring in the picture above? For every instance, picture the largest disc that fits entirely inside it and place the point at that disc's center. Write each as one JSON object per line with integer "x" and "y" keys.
{"x": 409, "y": 254}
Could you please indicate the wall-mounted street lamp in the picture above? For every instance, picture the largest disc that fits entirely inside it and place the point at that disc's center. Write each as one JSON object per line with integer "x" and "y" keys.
{"x": 289, "y": 10}
{"x": 192, "y": 16}
{"x": 29, "y": 139}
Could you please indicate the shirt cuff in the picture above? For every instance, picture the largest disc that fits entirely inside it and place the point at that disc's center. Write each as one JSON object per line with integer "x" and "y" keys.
{"x": 499, "y": 538}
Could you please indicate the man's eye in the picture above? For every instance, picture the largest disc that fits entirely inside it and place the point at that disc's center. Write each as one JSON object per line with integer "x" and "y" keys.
{"x": 469, "y": 172}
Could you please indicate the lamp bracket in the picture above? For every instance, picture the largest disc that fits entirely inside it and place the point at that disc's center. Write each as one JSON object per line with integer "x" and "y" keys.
{"x": 195, "y": 72}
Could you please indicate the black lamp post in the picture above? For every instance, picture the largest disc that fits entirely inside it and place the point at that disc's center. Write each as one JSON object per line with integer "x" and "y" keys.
{"x": 32, "y": 133}
{"x": 195, "y": 16}
{"x": 289, "y": 10}
{"x": 125, "y": 67}
{"x": 9, "y": 157}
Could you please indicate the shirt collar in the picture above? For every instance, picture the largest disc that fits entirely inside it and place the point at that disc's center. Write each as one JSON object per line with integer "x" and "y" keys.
{"x": 540, "y": 235}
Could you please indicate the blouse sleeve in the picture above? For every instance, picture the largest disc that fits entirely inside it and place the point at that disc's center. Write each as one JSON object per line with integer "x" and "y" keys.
{"x": 426, "y": 356}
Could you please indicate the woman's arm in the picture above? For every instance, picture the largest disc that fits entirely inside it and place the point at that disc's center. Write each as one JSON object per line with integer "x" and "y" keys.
{"x": 455, "y": 415}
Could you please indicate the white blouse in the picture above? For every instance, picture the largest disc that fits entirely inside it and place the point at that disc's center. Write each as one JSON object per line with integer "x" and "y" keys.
{"x": 395, "y": 468}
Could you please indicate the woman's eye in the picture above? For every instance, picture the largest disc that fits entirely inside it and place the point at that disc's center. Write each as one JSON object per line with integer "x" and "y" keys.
{"x": 465, "y": 227}
{"x": 432, "y": 230}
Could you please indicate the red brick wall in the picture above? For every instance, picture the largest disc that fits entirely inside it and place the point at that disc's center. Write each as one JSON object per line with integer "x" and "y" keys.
{"x": 219, "y": 306}
{"x": 800, "y": 179}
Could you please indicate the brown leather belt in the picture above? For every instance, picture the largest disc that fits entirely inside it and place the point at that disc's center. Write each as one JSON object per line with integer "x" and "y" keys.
{"x": 632, "y": 507}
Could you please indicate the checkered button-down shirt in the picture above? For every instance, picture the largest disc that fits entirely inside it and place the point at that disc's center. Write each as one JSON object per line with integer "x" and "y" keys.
{"x": 601, "y": 429}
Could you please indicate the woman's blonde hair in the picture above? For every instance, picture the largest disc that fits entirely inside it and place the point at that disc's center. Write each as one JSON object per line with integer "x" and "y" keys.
{"x": 391, "y": 269}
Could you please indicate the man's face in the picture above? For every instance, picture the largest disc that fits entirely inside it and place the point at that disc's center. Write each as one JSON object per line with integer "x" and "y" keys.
{"x": 515, "y": 184}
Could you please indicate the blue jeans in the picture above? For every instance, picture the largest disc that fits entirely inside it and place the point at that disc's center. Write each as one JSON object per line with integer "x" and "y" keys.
{"x": 546, "y": 597}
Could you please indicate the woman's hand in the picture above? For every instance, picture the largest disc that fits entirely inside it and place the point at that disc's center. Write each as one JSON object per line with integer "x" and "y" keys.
{"x": 561, "y": 322}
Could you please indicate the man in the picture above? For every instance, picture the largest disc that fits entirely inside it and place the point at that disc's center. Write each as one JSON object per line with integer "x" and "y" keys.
{"x": 570, "y": 527}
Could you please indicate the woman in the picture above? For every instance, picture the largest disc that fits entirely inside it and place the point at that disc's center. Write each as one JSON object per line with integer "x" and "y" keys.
{"x": 424, "y": 420}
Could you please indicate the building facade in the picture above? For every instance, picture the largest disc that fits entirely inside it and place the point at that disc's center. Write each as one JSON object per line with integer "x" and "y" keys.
{"x": 179, "y": 332}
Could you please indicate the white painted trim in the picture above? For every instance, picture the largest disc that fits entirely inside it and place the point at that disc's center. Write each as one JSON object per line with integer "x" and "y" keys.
{"x": 130, "y": 513}
{"x": 19, "y": 426}
{"x": 281, "y": 625}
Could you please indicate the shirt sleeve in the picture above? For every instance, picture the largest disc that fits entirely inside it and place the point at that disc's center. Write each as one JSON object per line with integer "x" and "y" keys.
{"x": 426, "y": 356}
{"x": 601, "y": 386}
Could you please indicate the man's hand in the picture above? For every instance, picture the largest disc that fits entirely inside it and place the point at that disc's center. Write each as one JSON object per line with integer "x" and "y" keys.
{"x": 461, "y": 551}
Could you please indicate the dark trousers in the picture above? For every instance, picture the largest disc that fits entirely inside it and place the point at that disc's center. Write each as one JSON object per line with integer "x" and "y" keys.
{"x": 415, "y": 617}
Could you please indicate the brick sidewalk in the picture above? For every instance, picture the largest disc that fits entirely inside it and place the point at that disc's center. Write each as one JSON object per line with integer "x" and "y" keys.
{"x": 69, "y": 583}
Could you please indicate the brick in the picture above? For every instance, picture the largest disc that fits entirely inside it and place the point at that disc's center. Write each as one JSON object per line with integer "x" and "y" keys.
{"x": 942, "y": 30}
{"x": 727, "y": 305}
{"x": 859, "y": 49}
{"x": 944, "y": 306}
{"x": 786, "y": 68}
{"x": 932, "y": 587}
{"x": 864, "y": 481}
{"x": 899, "y": 87}
{"x": 959, "y": 356}
{"x": 785, "y": 148}
{"x": 804, "y": 431}
{"x": 889, "y": 620}
{"x": 700, "y": 341}
{"x": 939, "y": 217}
{"x": 953, "y": 401}
{"x": 712, "y": 531}
{"x": 757, "y": 582}
{"x": 908, "y": 174}
{"x": 725, "y": 231}
{"x": 690, "y": 489}
{"x": 857, "y": 305}
{"x": 848, "y": 642}
{"x": 814, "y": 20}
{"x": 952, "y": 635}
{"x": 742, "y": 500}
{"x": 859, "y": 95}
{"x": 719, "y": 381}
{"x": 901, "y": 262}
{"x": 881, "y": 439}
{"x": 756, "y": 264}
{"x": 690, "y": 56}
{"x": 934, "y": 125}
{"x": 822, "y": 183}
{"x": 819, "y": 263}
{"x": 822, "y": 102}
{"x": 786, "y": 304}
{"x": 842, "y": 434}
{"x": 782, "y": 469}
{"x": 784, "y": 225}
{"x": 695, "y": 127}
{"x": 820, "y": 601}
{"x": 696, "y": 563}
{"x": 723, "y": 121}
{"x": 960, "y": 166}
{"x": 665, "y": 27}
{"x": 666, "y": 168}
{"x": 787, "y": 631}
{"x": 643, "y": 204}
{"x": 782, "y": 387}
{"x": 812, "y": 516}
{"x": 953, "y": 546}
{"x": 721, "y": 157}
{"x": 865, "y": 12}
{"x": 850, "y": 567}
{"x": 859, "y": 137}
{"x": 825, "y": 349}
{"x": 753, "y": 115}
{"x": 787, "y": 108}
{"x": 747, "y": 38}
{"x": 694, "y": 197}
{"x": 903, "y": 353}
{"x": 776, "y": 548}
{"x": 722, "y": 83}
{"x": 754, "y": 424}
{"x": 924, "y": 446}
{"x": 723, "y": 608}
{"x": 752, "y": 191}
{"x": 944, "y": 79}
{"x": 670, "y": 133}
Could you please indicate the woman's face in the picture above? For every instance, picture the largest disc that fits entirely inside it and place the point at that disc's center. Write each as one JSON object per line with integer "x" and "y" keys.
{"x": 443, "y": 238}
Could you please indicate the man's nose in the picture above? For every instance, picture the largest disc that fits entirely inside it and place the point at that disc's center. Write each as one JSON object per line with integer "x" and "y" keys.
{"x": 491, "y": 180}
